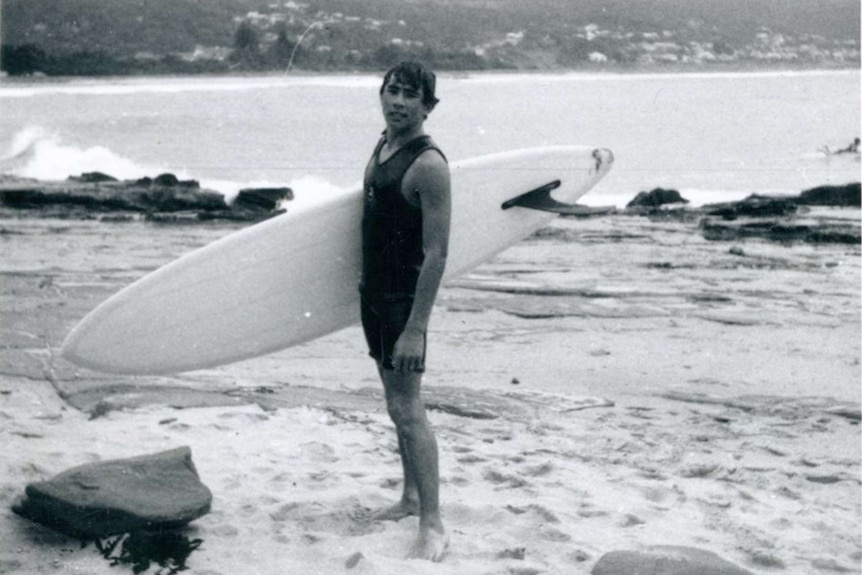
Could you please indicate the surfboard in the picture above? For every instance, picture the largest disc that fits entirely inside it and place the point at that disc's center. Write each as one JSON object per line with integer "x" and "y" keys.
{"x": 294, "y": 278}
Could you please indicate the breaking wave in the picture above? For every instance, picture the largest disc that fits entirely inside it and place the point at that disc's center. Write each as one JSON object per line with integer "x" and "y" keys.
{"x": 37, "y": 153}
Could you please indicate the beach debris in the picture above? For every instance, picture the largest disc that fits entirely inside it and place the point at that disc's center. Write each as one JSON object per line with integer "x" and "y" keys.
{"x": 666, "y": 560}
{"x": 140, "y": 549}
{"x": 160, "y": 490}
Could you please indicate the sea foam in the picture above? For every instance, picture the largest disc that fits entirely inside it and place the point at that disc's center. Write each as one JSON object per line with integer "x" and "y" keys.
{"x": 37, "y": 153}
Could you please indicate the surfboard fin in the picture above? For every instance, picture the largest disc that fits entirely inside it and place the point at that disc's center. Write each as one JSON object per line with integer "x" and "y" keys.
{"x": 540, "y": 199}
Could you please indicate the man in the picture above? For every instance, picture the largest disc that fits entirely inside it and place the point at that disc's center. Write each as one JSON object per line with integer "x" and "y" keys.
{"x": 851, "y": 149}
{"x": 405, "y": 235}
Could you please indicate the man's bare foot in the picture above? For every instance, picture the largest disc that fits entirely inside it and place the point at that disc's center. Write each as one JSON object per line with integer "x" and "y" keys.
{"x": 431, "y": 545}
{"x": 398, "y": 511}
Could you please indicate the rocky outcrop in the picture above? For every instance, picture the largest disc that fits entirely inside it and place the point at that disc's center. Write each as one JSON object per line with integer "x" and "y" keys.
{"x": 655, "y": 198}
{"x": 262, "y": 198}
{"x": 846, "y": 195}
{"x": 774, "y": 218}
{"x": 164, "y": 198}
{"x": 813, "y": 230}
{"x": 118, "y": 496}
{"x": 785, "y": 218}
{"x": 753, "y": 206}
{"x": 93, "y": 178}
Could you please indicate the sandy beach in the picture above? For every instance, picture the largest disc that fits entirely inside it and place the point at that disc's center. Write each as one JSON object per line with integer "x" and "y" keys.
{"x": 613, "y": 383}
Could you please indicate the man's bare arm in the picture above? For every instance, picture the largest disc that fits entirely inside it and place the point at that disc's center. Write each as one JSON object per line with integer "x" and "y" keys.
{"x": 426, "y": 183}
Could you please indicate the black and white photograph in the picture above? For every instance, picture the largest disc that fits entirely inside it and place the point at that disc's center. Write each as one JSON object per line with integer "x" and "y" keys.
{"x": 452, "y": 287}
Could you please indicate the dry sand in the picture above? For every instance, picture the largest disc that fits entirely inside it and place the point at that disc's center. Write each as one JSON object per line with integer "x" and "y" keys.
{"x": 617, "y": 384}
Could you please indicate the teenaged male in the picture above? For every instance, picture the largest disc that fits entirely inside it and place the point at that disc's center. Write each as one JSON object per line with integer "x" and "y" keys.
{"x": 405, "y": 234}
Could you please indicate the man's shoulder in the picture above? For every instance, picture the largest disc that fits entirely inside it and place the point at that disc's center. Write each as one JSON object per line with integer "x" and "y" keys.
{"x": 428, "y": 176}
{"x": 430, "y": 164}
{"x": 431, "y": 157}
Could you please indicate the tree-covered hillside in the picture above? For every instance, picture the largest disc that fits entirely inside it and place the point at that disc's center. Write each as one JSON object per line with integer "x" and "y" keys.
{"x": 151, "y": 36}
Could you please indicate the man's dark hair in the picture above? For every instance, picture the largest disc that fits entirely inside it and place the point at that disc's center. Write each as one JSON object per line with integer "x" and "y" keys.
{"x": 417, "y": 76}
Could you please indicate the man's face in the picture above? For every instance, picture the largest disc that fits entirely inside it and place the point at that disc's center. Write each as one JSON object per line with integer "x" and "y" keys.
{"x": 402, "y": 106}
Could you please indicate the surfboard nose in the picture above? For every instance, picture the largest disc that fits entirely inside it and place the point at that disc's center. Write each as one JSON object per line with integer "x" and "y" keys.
{"x": 604, "y": 159}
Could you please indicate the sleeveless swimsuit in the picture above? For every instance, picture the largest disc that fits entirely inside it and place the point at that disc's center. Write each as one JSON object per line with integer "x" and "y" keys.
{"x": 392, "y": 248}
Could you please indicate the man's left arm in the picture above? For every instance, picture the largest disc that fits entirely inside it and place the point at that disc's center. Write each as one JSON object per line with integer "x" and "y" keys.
{"x": 427, "y": 180}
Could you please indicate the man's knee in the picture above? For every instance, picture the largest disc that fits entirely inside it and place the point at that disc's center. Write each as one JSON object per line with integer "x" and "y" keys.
{"x": 405, "y": 411}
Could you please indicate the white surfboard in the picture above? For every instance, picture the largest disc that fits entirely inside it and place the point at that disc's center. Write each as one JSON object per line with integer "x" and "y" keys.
{"x": 294, "y": 278}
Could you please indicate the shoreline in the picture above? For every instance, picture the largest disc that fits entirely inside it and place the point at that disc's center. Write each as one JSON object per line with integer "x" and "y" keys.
{"x": 621, "y": 72}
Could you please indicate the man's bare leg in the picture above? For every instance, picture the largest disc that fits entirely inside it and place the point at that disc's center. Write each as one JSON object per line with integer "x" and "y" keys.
{"x": 418, "y": 448}
{"x": 409, "y": 503}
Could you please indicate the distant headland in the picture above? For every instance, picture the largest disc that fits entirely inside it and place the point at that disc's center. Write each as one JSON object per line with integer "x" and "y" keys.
{"x": 102, "y": 38}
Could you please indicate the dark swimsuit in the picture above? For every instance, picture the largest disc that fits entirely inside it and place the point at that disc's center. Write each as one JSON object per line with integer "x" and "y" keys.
{"x": 392, "y": 248}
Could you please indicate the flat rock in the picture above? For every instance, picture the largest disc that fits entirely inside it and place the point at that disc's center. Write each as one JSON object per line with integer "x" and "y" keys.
{"x": 846, "y": 195}
{"x": 788, "y": 231}
{"x": 163, "y": 199}
{"x": 666, "y": 560}
{"x": 753, "y": 206}
{"x": 160, "y": 490}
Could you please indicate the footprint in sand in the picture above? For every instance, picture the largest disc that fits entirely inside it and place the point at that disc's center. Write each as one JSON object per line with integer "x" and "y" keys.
{"x": 504, "y": 480}
{"x": 349, "y": 519}
{"x": 588, "y": 510}
{"x": 541, "y": 513}
{"x": 322, "y": 480}
{"x": 468, "y": 459}
{"x": 539, "y": 470}
{"x": 542, "y": 521}
{"x": 315, "y": 451}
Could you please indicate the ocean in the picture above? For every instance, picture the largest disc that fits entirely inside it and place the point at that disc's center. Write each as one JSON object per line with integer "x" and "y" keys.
{"x": 712, "y": 136}
{"x": 636, "y": 307}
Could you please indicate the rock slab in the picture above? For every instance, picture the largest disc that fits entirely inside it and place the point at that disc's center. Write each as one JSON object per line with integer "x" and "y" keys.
{"x": 655, "y": 198}
{"x": 666, "y": 560}
{"x": 164, "y": 199}
{"x": 160, "y": 490}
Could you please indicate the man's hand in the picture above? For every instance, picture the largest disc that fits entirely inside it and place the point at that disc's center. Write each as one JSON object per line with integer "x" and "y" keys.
{"x": 409, "y": 352}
